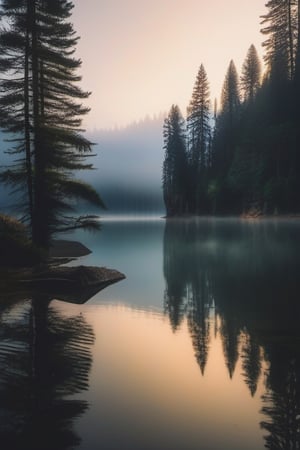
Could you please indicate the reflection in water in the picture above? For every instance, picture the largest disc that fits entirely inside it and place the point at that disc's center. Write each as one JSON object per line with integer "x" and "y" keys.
{"x": 252, "y": 361}
{"x": 283, "y": 414}
{"x": 230, "y": 334}
{"x": 241, "y": 280}
{"x": 199, "y": 327}
{"x": 45, "y": 360}
{"x": 218, "y": 370}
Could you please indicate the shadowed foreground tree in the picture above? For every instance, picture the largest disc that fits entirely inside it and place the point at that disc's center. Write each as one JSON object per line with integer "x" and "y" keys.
{"x": 39, "y": 98}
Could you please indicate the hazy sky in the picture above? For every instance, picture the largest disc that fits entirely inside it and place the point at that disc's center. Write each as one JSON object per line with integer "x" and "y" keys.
{"x": 140, "y": 56}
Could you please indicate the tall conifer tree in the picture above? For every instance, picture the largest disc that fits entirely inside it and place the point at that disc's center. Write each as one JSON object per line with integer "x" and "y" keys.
{"x": 251, "y": 74}
{"x": 230, "y": 98}
{"x": 280, "y": 25}
{"x": 199, "y": 135}
{"x": 175, "y": 163}
{"x": 198, "y": 116}
{"x": 40, "y": 95}
{"x": 227, "y": 122}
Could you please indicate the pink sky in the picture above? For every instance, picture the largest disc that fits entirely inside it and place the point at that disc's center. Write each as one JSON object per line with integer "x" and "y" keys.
{"x": 140, "y": 56}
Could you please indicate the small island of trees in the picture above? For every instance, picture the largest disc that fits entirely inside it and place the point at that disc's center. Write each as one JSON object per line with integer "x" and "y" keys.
{"x": 243, "y": 157}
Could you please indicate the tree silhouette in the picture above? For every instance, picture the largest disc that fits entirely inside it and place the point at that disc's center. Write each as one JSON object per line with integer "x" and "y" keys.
{"x": 41, "y": 109}
{"x": 175, "y": 163}
{"x": 230, "y": 99}
{"x": 280, "y": 24}
{"x": 250, "y": 163}
{"x": 199, "y": 134}
{"x": 225, "y": 137}
{"x": 251, "y": 75}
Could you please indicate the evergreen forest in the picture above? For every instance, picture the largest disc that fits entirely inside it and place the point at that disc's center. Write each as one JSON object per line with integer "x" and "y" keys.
{"x": 241, "y": 156}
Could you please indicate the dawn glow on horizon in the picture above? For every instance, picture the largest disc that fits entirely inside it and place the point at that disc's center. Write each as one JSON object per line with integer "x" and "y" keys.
{"x": 140, "y": 57}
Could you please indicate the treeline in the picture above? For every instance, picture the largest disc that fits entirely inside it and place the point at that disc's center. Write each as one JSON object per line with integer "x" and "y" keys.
{"x": 41, "y": 110}
{"x": 244, "y": 156}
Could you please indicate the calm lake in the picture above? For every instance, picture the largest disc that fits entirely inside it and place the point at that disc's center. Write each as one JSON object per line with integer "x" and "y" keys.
{"x": 198, "y": 349}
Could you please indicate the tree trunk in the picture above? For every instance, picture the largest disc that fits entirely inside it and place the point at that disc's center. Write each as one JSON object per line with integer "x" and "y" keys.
{"x": 27, "y": 115}
{"x": 291, "y": 40}
{"x": 40, "y": 226}
{"x": 297, "y": 64}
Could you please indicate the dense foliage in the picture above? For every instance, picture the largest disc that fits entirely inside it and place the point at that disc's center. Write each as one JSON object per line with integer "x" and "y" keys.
{"x": 245, "y": 157}
{"x": 40, "y": 109}
{"x": 15, "y": 248}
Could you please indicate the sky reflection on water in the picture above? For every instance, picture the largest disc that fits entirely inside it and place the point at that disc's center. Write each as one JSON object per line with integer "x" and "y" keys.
{"x": 196, "y": 349}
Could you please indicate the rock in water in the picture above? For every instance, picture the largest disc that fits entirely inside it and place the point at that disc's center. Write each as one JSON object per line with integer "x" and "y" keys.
{"x": 71, "y": 284}
{"x": 63, "y": 248}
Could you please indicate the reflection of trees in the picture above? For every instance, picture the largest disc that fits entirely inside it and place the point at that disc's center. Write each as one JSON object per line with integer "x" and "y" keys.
{"x": 175, "y": 292}
{"x": 282, "y": 408}
{"x": 45, "y": 360}
{"x": 230, "y": 340}
{"x": 199, "y": 306}
{"x": 196, "y": 283}
{"x": 187, "y": 289}
{"x": 251, "y": 357}
{"x": 248, "y": 274}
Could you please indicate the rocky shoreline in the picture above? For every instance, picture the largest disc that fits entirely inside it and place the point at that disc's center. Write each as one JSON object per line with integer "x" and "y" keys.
{"x": 55, "y": 280}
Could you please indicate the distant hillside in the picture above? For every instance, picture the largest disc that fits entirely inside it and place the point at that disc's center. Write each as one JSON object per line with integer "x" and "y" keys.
{"x": 129, "y": 163}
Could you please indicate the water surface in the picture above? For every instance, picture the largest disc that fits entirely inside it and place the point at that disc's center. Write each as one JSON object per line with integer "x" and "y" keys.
{"x": 197, "y": 349}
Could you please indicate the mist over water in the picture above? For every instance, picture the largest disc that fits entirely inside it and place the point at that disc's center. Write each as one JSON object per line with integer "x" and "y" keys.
{"x": 129, "y": 165}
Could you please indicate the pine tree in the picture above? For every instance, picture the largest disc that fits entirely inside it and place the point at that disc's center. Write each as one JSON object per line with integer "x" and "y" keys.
{"x": 41, "y": 101}
{"x": 199, "y": 137}
{"x": 226, "y": 123}
{"x": 175, "y": 163}
{"x": 198, "y": 116}
{"x": 280, "y": 25}
{"x": 251, "y": 74}
{"x": 230, "y": 98}
{"x": 225, "y": 141}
